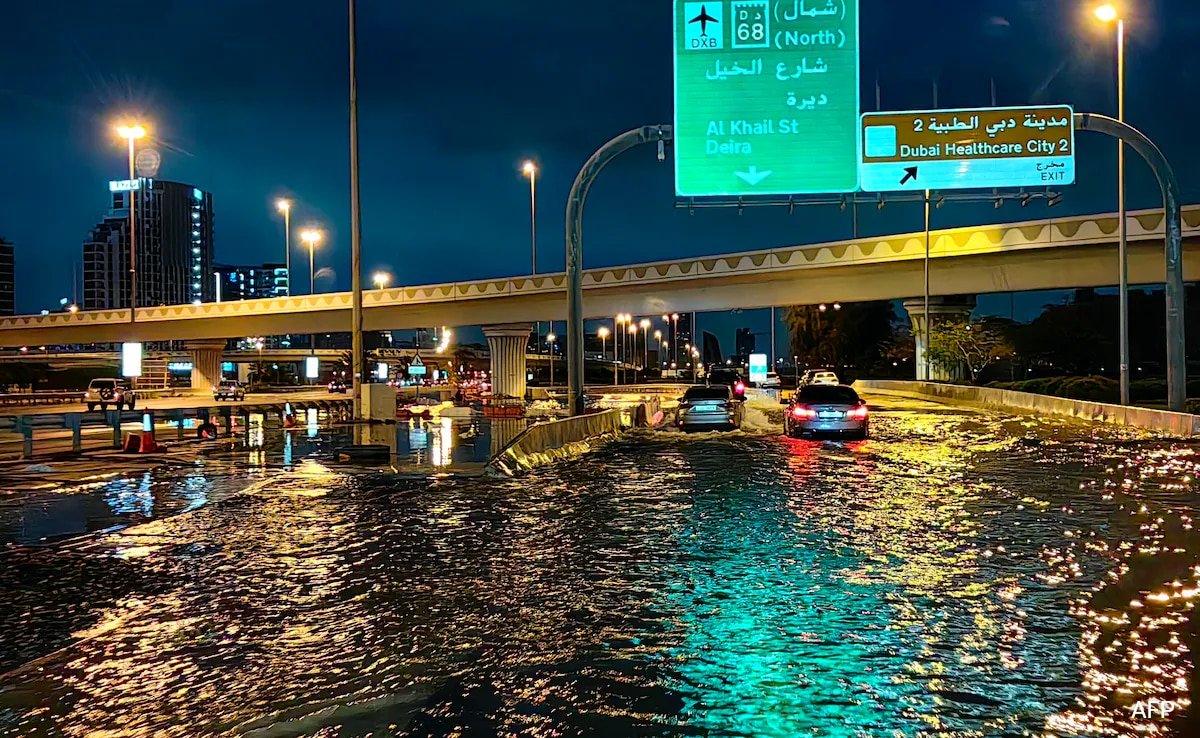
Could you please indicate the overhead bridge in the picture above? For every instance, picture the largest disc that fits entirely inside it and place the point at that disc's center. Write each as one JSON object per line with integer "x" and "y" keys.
{"x": 1036, "y": 255}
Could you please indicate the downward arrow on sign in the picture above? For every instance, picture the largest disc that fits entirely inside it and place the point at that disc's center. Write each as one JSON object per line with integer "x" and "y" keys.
{"x": 753, "y": 176}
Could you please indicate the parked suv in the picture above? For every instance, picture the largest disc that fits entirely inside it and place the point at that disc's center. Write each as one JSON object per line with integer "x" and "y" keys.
{"x": 229, "y": 389}
{"x": 105, "y": 392}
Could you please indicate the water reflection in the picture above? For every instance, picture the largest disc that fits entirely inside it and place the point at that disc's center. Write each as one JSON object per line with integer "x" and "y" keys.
{"x": 1037, "y": 581}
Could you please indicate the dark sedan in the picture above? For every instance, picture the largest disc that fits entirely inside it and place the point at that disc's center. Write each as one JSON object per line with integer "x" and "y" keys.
{"x": 827, "y": 410}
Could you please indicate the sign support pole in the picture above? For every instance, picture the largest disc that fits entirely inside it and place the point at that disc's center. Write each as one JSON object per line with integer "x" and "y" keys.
{"x": 662, "y": 134}
{"x": 358, "y": 375}
{"x": 1173, "y": 233}
{"x": 928, "y": 321}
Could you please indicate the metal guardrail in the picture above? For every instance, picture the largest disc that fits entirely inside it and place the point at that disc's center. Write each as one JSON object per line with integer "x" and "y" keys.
{"x": 68, "y": 397}
{"x": 27, "y": 427}
{"x": 9, "y": 399}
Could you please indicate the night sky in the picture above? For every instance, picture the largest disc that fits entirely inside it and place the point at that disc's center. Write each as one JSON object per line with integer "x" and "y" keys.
{"x": 247, "y": 99}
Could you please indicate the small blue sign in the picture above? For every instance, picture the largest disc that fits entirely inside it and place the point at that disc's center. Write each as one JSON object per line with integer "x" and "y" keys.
{"x": 983, "y": 148}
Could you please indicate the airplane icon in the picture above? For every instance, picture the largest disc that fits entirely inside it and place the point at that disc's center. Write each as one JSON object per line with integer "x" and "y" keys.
{"x": 703, "y": 19}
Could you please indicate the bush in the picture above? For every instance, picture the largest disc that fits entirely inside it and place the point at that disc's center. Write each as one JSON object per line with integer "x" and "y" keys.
{"x": 1089, "y": 389}
{"x": 1149, "y": 390}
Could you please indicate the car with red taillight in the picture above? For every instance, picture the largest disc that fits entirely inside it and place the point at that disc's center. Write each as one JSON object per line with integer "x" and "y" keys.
{"x": 821, "y": 409}
{"x": 730, "y": 379}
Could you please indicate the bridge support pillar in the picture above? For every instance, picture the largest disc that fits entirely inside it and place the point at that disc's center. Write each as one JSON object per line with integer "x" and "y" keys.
{"x": 508, "y": 345}
{"x": 207, "y": 357}
{"x": 959, "y": 307}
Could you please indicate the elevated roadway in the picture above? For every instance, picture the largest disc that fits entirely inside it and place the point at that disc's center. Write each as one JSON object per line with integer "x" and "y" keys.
{"x": 1035, "y": 255}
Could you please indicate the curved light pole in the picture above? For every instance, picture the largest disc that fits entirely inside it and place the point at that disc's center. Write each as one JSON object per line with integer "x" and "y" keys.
{"x": 1173, "y": 236}
{"x": 574, "y": 227}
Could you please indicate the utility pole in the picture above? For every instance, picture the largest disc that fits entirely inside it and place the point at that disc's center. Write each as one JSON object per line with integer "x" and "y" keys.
{"x": 355, "y": 224}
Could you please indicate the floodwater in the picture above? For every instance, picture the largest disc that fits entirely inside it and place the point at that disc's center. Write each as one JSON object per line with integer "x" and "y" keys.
{"x": 111, "y": 500}
{"x": 958, "y": 574}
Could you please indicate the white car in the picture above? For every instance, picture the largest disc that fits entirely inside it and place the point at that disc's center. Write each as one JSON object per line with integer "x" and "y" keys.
{"x": 109, "y": 392}
{"x": 827, "y": 378}
{"x": 771, "y": 382}
{"x": 229, "y": 389}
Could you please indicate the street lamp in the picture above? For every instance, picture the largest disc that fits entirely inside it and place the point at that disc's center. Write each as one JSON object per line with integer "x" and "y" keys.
{"x": 381, "y": 279}
{"x": 604, "y": 334}
{"x": 645, "y": 326}
{"x": 285, "y": 206}
{"x": 618, "y": 338}
{"x": 312, "y": 237}
{"x": 658, "y": 335}
{"x": 132, "y": 133}
{"x": 529, "y": 169}
{"x": 623, "y": 319}
{"x": 259, "y": 345}
{"x": 695, "y": 363}
{"x": 675, "y": 336}
{"x": 550, "y": 339}
{"x": 1108, "y": 13}
{"x": 633, "y": 330}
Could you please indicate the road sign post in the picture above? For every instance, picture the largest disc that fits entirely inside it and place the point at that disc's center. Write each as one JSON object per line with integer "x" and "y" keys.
{"x": 766, "y": 97}
{"x": 968, "y": 149}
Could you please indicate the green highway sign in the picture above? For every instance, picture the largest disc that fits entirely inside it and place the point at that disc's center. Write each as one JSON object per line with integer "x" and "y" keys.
{"x": 766, "y": 97}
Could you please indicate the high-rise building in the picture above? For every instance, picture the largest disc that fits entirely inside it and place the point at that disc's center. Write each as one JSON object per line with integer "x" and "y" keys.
{"x": 8, "y": 284}
{"x": 174, "y": 247}
{"x": 261, "y": 282}
{"x": 744, "y": 344}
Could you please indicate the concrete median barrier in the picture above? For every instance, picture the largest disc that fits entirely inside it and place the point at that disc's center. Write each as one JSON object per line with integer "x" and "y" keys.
{"x": 1178, "y": 425}
{"x": 555, "y": 440}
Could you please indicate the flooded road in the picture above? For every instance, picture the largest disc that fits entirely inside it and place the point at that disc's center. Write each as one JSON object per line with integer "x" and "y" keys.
{"x": 959, "y": 574}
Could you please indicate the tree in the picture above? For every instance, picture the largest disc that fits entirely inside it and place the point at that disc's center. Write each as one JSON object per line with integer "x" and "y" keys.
{"x": 852, "y": 335}
{"x": 956, "y": 343}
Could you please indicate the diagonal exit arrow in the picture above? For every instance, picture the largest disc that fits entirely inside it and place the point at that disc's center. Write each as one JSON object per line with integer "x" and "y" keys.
{"x": 753, "y": 176}
{"x": 909, "y": 173}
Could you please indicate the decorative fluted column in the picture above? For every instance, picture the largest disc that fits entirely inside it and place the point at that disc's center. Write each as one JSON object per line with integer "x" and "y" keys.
{"x": 953, "y": 307}
{"x": 508, "y": 345}
{"x": 207, "y": 357}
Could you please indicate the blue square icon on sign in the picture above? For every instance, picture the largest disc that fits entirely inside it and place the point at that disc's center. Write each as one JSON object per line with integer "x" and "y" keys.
{"x": 881, "y": 141}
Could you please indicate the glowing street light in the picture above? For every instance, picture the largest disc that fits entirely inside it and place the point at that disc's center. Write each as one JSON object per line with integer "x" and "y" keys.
{"x": 1108, "y": 13}
{"x": 312, "y": 237}
{"x": 285, "y": 206}
{"x": 529, "y": 169}
{"x": 645, "y": 326}
{"x": 132, "y": 133}
{"x": 381, "y": 279}
{"x": 550, "y": 339}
